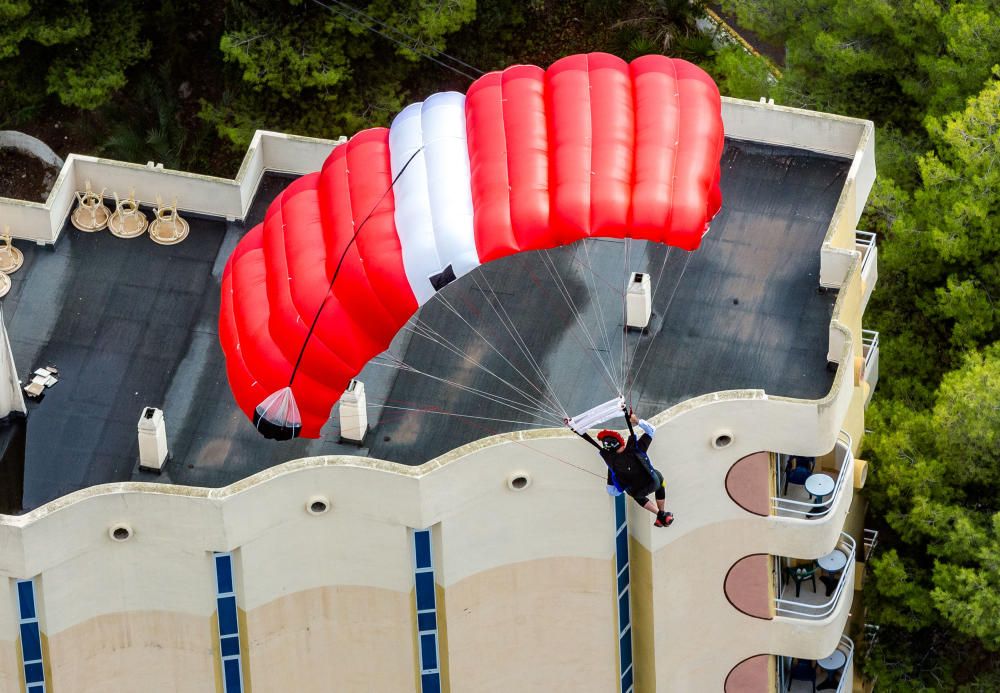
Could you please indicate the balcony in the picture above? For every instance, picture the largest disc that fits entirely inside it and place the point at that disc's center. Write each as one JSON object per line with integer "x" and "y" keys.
{"x": 870, "y": 541}
{"x": 812, "y": 590}
{"x": 864, "y": 242}
{"x": 869, "y": 344}
{"x": 832, "y": 673}
{"x": 809, "y": 497}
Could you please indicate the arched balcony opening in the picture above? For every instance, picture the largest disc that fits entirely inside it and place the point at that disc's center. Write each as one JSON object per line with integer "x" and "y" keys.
{"x": 749, "y": 676}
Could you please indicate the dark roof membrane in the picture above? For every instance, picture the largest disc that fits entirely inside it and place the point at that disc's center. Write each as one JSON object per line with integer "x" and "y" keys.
{"x": 131, "y": 324}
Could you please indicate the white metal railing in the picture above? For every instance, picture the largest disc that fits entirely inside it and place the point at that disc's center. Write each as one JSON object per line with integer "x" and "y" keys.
{"x": 864, "y": 241}
{"x": 801, "y": 609}
{"x": 845, "y": 474}
{"x": 870, "y": 636}
{"x": 870, "y": 541}
{"x": 869, "y": 347}
{"x": 847, "y": 647}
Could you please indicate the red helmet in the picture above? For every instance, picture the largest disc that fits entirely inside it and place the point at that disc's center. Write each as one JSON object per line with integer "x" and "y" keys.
{"x": 611, "y": 440}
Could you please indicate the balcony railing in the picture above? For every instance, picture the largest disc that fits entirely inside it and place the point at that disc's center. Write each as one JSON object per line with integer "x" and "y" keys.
{"x": 801, "y": 608}
{"x": 869, "y": 345}
{"x": 864, "y": 242}
{"x": 847, "y": 647}
{"x": 843, "y": 674}
{"x": 845, "y": 475}
{"x": 870, "y": 541}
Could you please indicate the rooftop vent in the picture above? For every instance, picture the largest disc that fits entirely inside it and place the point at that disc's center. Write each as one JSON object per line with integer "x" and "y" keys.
{"x": 152, "y": 440}
{"x": 354, "y": 414}
{"x": 639, "y": 302}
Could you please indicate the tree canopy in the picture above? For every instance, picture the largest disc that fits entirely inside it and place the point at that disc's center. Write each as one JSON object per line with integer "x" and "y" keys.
{"x": 324, "y": 69}
{"x": 937, "y": 487}
{"x": 63, "y": 44}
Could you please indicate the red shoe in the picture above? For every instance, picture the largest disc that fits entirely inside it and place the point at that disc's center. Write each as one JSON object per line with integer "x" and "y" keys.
{"x": 664, "y": 519}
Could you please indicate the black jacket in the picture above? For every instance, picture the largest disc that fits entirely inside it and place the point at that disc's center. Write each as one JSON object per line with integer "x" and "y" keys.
{"x": 631, "y": 467}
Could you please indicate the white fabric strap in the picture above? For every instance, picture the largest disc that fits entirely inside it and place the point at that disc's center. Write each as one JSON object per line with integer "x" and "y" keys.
{"x": 599, "y": 414}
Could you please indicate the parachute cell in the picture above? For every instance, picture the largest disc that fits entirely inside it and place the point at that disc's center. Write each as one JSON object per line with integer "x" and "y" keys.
{"x": 527, "y": 159}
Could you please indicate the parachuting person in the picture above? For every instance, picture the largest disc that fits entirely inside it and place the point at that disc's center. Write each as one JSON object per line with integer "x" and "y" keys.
{"x": 629, "y": 467}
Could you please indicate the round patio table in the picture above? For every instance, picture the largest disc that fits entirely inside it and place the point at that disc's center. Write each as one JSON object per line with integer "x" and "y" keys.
{"x": 833, "y": 662}
{"x": 833, "y": 562}
{"x": 819, "y": 486}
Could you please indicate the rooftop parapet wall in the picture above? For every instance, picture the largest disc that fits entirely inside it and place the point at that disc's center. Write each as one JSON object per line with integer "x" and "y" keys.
{"x": 229, "y": 198}
{"x": 271, "y": 151}
{"x": 439, "y": 491}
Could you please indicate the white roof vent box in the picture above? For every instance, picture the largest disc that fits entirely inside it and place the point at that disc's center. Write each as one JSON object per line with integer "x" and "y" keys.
{"x": 153, "y": 451}
{"x": 354, "y": 414}
{"x": 638, "y": 302}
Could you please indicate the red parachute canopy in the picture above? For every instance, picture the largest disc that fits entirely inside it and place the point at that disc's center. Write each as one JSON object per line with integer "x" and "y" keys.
{"x": 527, "y": 159}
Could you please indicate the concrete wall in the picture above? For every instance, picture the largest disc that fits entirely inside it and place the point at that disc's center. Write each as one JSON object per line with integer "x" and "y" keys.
{"x": 23, "y": 142}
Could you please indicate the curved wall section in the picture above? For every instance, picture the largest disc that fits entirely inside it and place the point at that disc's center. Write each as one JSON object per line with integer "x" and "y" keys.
{"x": 750, "y": 676}
{"x": 747, "y": 586}
{"x": 748, "y": 483}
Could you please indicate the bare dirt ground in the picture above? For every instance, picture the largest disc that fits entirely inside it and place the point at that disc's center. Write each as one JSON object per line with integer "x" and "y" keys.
{"x": 24, "y": 177}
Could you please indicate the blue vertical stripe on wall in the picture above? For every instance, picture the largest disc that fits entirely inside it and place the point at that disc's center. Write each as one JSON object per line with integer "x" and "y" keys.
{"x": 229, "y": 625}
{"x": 427, "y": 630}
{"x": 31, "y": 637}
{"x": 626, "y": 672}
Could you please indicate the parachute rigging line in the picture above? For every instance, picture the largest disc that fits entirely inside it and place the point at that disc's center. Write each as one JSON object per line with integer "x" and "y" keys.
{"x": 464, "y": 416}
{"x": 396, "y": 362}
{"x": 538, "y": 403}
{"x": 568, "y": 298}
{"x": 383, "y": 405}
{"x": 680, "y": 277}
{"x": 340, "y": 263}
{"x": 522, "y": 345}
{"x": 656, "y": 287}
{"x": 624, "y": 349}
{"x": 416, "y": 42}
{"x": 596, "y": 298}
{"x": 432, "y": 335}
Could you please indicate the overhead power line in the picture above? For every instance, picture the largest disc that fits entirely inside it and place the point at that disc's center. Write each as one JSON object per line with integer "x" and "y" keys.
{"x": 355, "y": 15}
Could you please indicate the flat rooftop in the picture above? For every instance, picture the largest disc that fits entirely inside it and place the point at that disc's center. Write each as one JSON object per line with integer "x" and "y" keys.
{"x": 131, "y": 324}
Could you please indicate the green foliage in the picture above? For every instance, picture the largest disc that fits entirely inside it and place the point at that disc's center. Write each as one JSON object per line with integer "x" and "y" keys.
{"x": 937, "y": 487}
{"x": 303, "y": 68}
{"x": 83, "y": 64}
{"x": 940, "y": 262}
{"x": 889, "y": 61}
{"x": 741, "y": 75}
{"x": 150, "y": 129}
{"x": 972, "y": 36}
{"x": 662, "y": 26}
